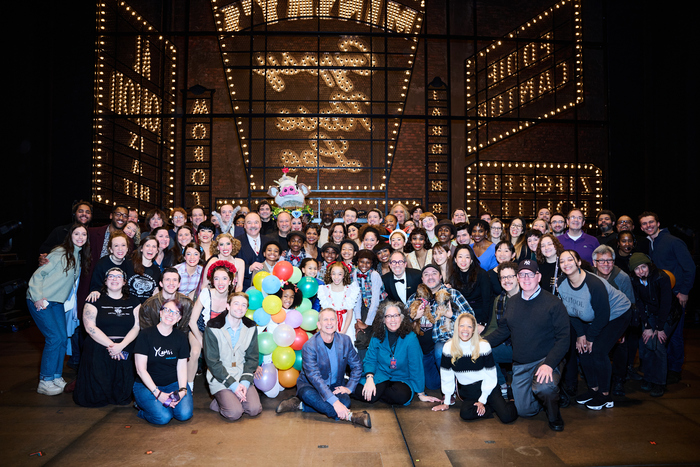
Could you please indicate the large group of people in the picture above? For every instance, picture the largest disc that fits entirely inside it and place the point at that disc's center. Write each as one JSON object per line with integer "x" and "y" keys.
{"x": 496, "y": 315}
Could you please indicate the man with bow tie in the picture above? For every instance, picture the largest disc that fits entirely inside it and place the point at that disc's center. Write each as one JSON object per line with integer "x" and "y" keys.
{"x": 401, "y": 282}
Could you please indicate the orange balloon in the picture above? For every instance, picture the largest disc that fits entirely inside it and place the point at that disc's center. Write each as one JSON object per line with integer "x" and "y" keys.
{"x": 671, "y": 276}
{"x": 288, "y": 378}
{"x": 279, "y": 316}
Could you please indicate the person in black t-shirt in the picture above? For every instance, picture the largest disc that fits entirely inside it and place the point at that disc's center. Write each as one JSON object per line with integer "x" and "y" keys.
{"x": 161, "y": 354}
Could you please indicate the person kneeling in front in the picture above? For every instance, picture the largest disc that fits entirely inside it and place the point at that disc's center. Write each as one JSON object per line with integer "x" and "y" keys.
{"x": 320, "y": 386}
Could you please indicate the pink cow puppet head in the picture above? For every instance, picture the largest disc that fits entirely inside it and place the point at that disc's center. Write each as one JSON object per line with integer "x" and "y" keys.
{"x": 289, "y": 194}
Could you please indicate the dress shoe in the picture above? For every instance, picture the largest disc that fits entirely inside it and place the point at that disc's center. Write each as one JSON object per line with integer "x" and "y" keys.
{"x": 557, "y": 424}
{"x": 361, "y": 419}
{"x": 290, "y": 405}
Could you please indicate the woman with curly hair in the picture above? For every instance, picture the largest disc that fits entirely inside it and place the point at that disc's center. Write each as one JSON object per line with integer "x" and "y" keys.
{"x": 469, "y": 360}
{"x": 393, "y": 365}
{"x": 227, "y": 248}
{"x": 340, "y": 294}
{"x": 419, "y": 249}
{"x": 210, "y": 303}
{"x": 154, "y": 218}
{"x": 547, "y": 253}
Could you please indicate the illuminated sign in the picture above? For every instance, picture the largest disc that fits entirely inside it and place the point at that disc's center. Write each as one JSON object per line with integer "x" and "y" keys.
{"x": 534, "y": 73}
{"x": 135, "y": 76}
{"x": 198, "y": 145}
{"x": 297, "y": 80}
{"x": 509, "y": 189}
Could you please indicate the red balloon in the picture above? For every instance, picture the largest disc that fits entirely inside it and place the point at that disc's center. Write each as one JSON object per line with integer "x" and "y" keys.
{"x": 300, "y": 339}
{"x": 283, "y": 270}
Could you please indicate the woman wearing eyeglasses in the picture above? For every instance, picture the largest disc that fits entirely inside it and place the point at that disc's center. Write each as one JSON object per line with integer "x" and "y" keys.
{"x": 161, "y": 353}
{"x": 106, "y": 373}
{"x": 393, "y": 365}
{"x": 599, "y": 315}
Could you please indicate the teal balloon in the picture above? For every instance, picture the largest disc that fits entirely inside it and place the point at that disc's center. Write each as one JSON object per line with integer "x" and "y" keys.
{"x": 305, "y": 305}
{"x": 266, "y": 343}
{"x": 260, "y": 359}
{"x": 309, "y": 319}
{"x": 255, "y": 298}
{"x": 261, "y": 317}
{"x": 271, "y": 284}
{"x": 296, "y": 275}
{"x": 308, "y": 286}
{"x": 297, "y": 362}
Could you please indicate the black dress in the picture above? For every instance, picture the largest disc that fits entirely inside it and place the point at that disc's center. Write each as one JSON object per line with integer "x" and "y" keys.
{"x": 101, "y": 379}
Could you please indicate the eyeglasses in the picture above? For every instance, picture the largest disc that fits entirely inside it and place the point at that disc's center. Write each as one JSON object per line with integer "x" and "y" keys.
{"x": 397, "y": 263}
{"x": 168, "y": 311}
{"x": 625, "y": 222}
{"x": 604, "y": 261}
{"x": 528, "y": 275}
{"x": 396, "y": 316}
{"x": 120, "y": 215}
{"x": 576, "y": 218}
{"x": 496, "y": 228}
{"x": 507, "y": 278}
{"x": 115, "y": 276}
{"x": 178, "y": 218}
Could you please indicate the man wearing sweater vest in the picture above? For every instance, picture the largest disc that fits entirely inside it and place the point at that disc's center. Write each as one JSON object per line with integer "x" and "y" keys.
{"x": 538, "y": 326}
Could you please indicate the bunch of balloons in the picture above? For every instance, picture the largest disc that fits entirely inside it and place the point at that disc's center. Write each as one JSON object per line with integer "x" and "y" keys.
{"x": 286, "y": 332}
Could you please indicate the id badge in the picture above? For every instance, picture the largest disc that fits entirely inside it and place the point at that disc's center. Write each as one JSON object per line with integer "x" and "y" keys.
{"x": 392, "y": 363}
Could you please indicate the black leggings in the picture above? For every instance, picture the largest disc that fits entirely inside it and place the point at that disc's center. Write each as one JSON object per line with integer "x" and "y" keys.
{"x": 470, "y": 394}
{"x": 391, "y": 392}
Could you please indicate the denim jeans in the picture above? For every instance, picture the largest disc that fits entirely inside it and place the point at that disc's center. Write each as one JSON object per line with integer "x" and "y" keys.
{"x": 314, "y": 403}
{"x": 51, "y": 321}
{"x": 502, "y": 354}
{"x": 152, "y": 410}
{"x": 432, "y": 372}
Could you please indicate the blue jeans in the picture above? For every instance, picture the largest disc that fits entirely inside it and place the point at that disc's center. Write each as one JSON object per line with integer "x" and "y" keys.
{"x": 152, "y": 410}
{"x": 502, "y": 354}
{"x": 431, "y": 371}
{"x": 314, "y": 403}
{"x": 51, "y": 321}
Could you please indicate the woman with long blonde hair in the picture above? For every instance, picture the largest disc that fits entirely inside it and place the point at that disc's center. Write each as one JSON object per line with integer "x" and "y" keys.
{"x": 467, "y": 357}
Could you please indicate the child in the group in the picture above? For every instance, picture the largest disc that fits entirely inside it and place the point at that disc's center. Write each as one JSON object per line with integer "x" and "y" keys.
{"x": 348, "y": 251}
{"x": 390, "y": 222}
{"x": 309, "y": 268}
{"x": 296, "y": 253}
{"x": 383, "y": 252}
{"x": 398, "y": 239}
{"x": 329, "y": 252}
{"x": 271, "y": 253}
{"x": 290, "y": 295}
{"x": 340, "y": 294}
{"x": 369, "y": 238}
{"x": 371, "y": 294}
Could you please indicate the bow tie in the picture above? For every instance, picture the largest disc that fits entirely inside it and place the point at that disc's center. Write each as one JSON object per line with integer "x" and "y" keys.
{"x": 295, "y": 258}
{"x": 361, "y": 276}
{"x": 399, "y": 280}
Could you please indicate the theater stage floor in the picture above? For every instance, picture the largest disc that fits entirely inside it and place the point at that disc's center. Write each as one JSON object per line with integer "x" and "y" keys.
{"x": 640, "y": 430}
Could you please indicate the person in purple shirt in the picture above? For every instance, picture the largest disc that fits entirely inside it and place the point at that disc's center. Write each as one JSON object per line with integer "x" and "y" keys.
{"x": 576, "y": 239}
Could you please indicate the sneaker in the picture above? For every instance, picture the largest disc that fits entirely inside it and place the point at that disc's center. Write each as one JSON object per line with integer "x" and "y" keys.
{"x": 646, "y": 386}
{"x": 361, "y": 419}
{"x": 290, "y": 405}
{"x": 504, "y": 390}
{"x": 657, "y": 390}
{"x": 618, "y": 388}
{"x": 600, "y": 401}
{"x": 48, "y": 388}
{"x": 60, "y": 382}
{"x": 585, "y": 397}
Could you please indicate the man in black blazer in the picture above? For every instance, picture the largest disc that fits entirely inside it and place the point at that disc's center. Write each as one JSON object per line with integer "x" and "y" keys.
{"x": 252, "y": 247}
{"x": 401, "y": 282}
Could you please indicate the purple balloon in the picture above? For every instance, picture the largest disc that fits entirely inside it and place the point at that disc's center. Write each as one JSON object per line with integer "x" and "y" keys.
{"x": 268, "y": 379}
{"x": 293, "y": 318}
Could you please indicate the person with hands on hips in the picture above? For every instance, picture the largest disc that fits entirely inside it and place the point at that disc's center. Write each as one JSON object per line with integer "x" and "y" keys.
{"x": 161, "y": 354}
{"x": 231, "y": 353}
{"x": 321, "y": 387}
{"x": 468, "y": 358}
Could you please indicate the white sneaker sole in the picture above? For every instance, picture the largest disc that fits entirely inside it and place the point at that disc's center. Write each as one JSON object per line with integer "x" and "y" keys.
{"x": 606, "y": 405}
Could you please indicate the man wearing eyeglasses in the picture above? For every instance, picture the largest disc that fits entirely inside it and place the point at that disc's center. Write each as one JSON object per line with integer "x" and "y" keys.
{"x": 538, "y": 325}
{"x": 401, "y": 282}
{"x": 558, "y": 225}
{"x": 576, "y": 239}
{"x": 169, "y": 285}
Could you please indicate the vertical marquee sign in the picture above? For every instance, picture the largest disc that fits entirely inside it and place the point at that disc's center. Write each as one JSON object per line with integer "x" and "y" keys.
{"x": 135, "y": 82}
{"x": 437, "y": 158}
{"x": 307, "y": 101}
{"x": 198, "y": 142}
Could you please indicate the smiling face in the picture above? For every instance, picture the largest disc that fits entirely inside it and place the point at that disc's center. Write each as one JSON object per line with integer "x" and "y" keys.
{"x": 625, "y": 242}
{"x": 297, "y": 224}
{"x": 383, "y": 255}
{"x": 575, "y": 220}
{"x": 265, "y": 211}
{"x": 192, "y": 256}
{"x": 118, "y": 247}
{"x": 310, "y": 270}
{"x": 163, "y": 239}
{"x": 417, "y": 241}
{"x": 353, "y": 232}
{"x": 432, "y": 278}
{"x": 252, "y": 224}
{"x": 374, "y": 218}
{"x": 605, "y": 223}
{"x": 327, "y": 324}
{"x": 170, "y": 282}
{"x": 329, "y": 255}
{"x": 478, "y": 233}
{"x": 444, "y": 234}
{"x": 416, "y": 215}
{"x": 155, "y": 222}
{"x": 459, "y": 216}
{"x": 529, "y": 281}
{"x": 184, "y": 236}
{"x": 226, "y": 213}
{"x": 516, "y": 228}
{"x": 558, "y": 224}
{"x": 429, "y": 223}
{"x": 327, "y": 216}
{"x": 347, "y": 252}
{"x": 496, "y": 230}
{"x": 271, "y": 253}
{"x": 440, "y": 256}
{"x": 130, "y": 229}
{"x": 338, "y": 235}
{"x": 169, "y": 314}
{"x": 149, "y": 249}
{"x": 625, "y": 223}
{"x": 369, "y": 240}
{"x": 547, "y": 247}
{"x": 604, "y": 263}
{"x": 238, "y": 306}
{"x": 568, "y": 263}
{"x": 311, "y": 236}
{"x": 465, "y": 327}
{"x": 197, "y": 216}
{"x": 532, "y": 242}
{"x": 463, "y": 237}
{"x": 221, "y": 282}
{"x": 338, "y": 274}
{"x": 295, "y": 244}
{"x": 463, "y": 259}
{"x": 179, "y": 219}
{"x": 642, "y": 271}
{"x": 119, "y": 217}
{"x": 544, "y": 214}
{"x": 540, "y": 225}
{"x": 365, "y": 264}
{"x": 649, "y": 225}
{"x": 284, "y": 222}
{"x": 397, "y": 263}
{"x": 205, "y": 236}
{"x": 390, "y": 222}
{"x": 503, "y": 254}
{"x": 287, "y": 298}
{"x": 397, "y": 241}
{"x": 508, "y": 279}
{"x": 225, "y": 247}
{"x": 349, "y": 217}
{"x": 115, "y": 281}
{"x": 399, "y": 213}
{"x": 392, "y": 318}
{"x": 83, "y": 214}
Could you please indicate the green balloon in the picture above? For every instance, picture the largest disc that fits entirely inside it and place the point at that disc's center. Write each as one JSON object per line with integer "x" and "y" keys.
{"x": 297, "y": 362}
{"x": 308, "y": 286}
{"x": 266, "y": 343}
{"x": 283, "y": 358}
{"x": 309, "y": 319}
{"x": 249, "y": 314}
{"x": 296, "y": 275}
{"x": 305, "y": 305}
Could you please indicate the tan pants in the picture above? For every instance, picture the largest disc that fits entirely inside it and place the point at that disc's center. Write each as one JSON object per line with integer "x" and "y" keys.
{"x": 227, "y": 404}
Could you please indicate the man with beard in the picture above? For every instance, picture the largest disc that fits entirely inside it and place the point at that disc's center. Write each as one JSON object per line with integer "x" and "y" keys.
{"x": 606, "y": 221}
{"x": 327, "y": 218}
{"x": 558, "y": 224}
{"x": 82, "y": 214}
{"x": 626, "y": 224}
{"x": 197, "y": 216}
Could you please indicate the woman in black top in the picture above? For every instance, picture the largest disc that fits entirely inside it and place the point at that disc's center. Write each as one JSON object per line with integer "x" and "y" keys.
{"x": 143, "y": 280}
{"x": 548, "y": 251}
{"x": 505, "y": 251}
{"x": 106, "y": 373}
{"x": 473, "y": 282}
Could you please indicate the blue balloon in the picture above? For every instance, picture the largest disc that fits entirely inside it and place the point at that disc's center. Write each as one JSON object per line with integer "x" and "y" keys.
{"x": 255, "y": 298}
{"x": 261, "y": 317}
{"x": 271, "y": 284}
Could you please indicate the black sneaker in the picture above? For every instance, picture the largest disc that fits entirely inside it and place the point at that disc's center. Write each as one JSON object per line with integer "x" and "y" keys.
{"x": 585, "y": 397}
{"x": 657, "y": 390}
{"x": 600, "y": 401}
{"x": 618, "y": 388}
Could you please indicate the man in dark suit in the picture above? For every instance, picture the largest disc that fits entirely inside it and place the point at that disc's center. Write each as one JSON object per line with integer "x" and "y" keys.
{"x": 252, "y": 247}
{"x": 321, "y": 387}
{"x": 401, "y": 282}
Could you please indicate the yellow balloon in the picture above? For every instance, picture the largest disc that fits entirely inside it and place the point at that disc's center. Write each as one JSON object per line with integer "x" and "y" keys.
{"x": 272, "y": 304}
{"x": 257, "y": 280}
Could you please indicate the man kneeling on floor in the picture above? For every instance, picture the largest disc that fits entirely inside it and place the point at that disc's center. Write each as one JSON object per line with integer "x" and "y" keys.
{"x": 320, "y": 386}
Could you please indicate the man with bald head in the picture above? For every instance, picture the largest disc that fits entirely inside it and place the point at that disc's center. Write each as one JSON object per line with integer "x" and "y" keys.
{"x": 284, "y": 226}
{"x": 252, "y": 247}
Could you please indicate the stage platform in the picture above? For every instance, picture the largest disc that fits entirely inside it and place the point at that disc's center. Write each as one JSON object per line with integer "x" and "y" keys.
{"x": 640, "y": 430}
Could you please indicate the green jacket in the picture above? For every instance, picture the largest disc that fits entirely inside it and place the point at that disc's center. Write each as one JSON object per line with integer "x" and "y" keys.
{"x": 51, "y": 281}
{"x": 227, "y": 364}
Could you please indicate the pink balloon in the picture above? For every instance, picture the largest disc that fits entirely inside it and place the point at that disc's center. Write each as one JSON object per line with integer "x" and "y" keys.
{"x": 268, "y": 380}
{"x": 284, "y": 335}
{"x": 293, "y": 318}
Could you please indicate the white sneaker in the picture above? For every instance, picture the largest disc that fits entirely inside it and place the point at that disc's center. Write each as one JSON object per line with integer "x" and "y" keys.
{"x": 60, "y": 382}
{"x": 48, "y": 388}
